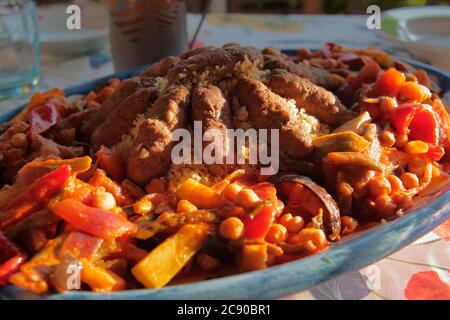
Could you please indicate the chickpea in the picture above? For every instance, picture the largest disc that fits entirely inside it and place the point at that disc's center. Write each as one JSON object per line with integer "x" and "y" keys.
{"x": 313, "y": 238}
{"x": 415, "y": 147}
{"x": 231, "y": 228}
{"x": 185, "y": 206}
{"x": 402, "y": 200}
{"x": 19, "y": 140}
{"x": 231, "y": 191}
{"x": 410, "y": 180}
{"x": 396, "y": 183}
{"x": 387, "y": 105}
{"x": 387, "y": 138}
{"x": 143, "y": 206}
{"x": 349, "y": 225}
{"x": 417, "y": 166}
{"x": 247, "y": 198}
{"x": 400, "y": 140}
{"x": 379, "y": 185}
{"x": 292, "y": 223}
{"x": 103, "y": 200}
{"x": 277, "y": 233}
{"x": 384, "y": 206}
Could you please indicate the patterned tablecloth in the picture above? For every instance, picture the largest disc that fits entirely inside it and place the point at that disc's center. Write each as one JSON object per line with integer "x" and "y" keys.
{"x": 419, "y": 271}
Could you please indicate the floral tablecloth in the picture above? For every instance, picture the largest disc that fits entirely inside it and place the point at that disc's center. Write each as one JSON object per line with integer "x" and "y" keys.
{"x": 419, "y": 271}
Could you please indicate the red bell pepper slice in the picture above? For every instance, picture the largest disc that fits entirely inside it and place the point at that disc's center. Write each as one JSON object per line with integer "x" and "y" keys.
{"x": 94, "y": 221}
{"x": 111, "y": 162}
{"x": 389, "y": 83}
{"x": 43, "y": 117}
{"x": 11, "y": 258}
{"x": 418, "y": 122}
{"x": 257, "y": 226}
{"x": 35, "y": 197}
{"x": 402, "y": 117}
{"x": 424, "y": 127}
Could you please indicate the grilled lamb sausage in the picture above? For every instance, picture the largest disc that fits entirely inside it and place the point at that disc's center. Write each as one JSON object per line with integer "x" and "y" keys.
{"x": 126, "y": 88}
{"x": 210, "y": 107}
{"x": 316, "y": 100}
{"x": 213, "y": 65}
{"x": 152, "y": 146}
{"x": 121, "y": 119}
{"x": 267, "y": 110}
{"x": 160, "y": 68}
{"x": 315, "y": 75}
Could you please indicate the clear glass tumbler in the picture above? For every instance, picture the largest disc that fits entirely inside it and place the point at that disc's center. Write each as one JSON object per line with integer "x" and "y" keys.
{"x": 19, "y": 48}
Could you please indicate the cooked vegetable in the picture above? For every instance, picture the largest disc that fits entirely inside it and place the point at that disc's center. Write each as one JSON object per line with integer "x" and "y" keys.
{"x": 354, "y": 160}
{"x": 111, "y": 162}
{"x": 80, "y": 246}
{"x": 78, "y": 165}
{"x": 11, "y": 257}
{"x": 43, "y": 117}
{"x": 254, "y": 257}
{"x": 188, "y": 222}
{"x": 34, "y": 197}
{"x": 354, "y": 124}
{"x": 94, "y": 221}
{"x": 100, "y": 279}
{"x": 148, "y": 228}
{"x": 295, "y": 187}
{"x": 339, "y": 142}
{"x": 198, "y": 194}
{"x": 416, "y": 121}
{"x": 390, "y": 83}
{"x": 165, "y": 261}
{"x": 257, "y": 224}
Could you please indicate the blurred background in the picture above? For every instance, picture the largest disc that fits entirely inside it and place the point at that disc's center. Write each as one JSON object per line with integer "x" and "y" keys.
{"x": 119, "y": 35}
{"x": 298, "y": 6}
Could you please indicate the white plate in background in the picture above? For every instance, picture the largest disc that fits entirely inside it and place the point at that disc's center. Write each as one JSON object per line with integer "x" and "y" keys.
{"x": 56, "y": 39}
{"x": 424, "y": 31}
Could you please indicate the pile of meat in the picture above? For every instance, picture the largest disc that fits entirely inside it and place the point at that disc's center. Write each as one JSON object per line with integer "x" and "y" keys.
{"x": 228, "y": 87}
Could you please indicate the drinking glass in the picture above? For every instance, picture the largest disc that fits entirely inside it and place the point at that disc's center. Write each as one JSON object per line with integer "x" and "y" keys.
{"x": 19, "y": 48}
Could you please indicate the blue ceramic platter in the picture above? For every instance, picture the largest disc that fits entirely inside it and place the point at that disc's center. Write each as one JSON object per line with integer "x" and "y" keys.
{"x": 351, "y": 253}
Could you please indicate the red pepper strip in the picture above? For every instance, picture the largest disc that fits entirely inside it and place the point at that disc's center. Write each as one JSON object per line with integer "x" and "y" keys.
{"x": 94, "y": 221}
{"x": 35, "y": 197}
{"x": 424, "y": 127}
{"x": 111, "y": 162}
{"x": 256, "y": 227}
{"x": 43, "y": 117}
{"x": 417, "y": 122}
{"x": 11, "y": 257}
{"x": 81, "y": 245}
{"x": 402, "y": 117}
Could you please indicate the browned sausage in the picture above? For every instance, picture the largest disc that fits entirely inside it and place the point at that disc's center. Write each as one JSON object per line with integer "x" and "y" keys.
{"x": 267, "y": 110}
{"x": 151, "y": 150}
{"x": 316, "y": 75}
{"x": 316, "y": 100}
